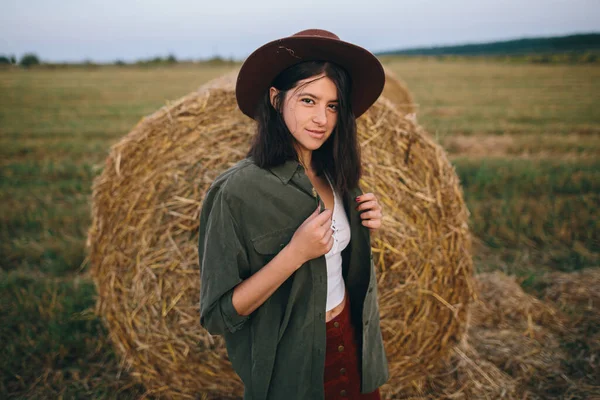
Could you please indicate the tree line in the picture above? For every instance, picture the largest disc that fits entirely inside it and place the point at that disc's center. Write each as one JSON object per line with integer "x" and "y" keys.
{"x": 571, "y": 44}
{"x": 26, "y": 60}
{"x": 32, "y": 59}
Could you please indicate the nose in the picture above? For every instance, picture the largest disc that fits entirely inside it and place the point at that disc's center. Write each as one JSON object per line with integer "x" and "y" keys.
{"x": 320, "y": 116}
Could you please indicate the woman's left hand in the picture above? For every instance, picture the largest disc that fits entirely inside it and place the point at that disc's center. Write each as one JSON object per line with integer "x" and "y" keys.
{"x": 371, "y": 211}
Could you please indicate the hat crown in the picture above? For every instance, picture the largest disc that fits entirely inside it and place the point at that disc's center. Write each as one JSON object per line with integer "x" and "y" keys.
{"x": 317, "y": 32}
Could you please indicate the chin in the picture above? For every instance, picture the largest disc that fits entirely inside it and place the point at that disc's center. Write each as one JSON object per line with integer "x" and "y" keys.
{"x": 313, "y": 146}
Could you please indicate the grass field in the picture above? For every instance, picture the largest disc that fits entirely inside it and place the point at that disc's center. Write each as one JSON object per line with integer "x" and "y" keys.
{"x": 525, "y": 141}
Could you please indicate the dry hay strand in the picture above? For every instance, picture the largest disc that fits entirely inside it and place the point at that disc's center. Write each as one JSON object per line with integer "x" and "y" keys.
{"x": 502, "y": 304}
{"x": 143, "y": 242}
{"x": 577, "y": 294}
{"x": 465, "y": 374}
{"x": 575, "y": 290}
{"x": 519, "y": 334}
{"x": 535, "y": 365}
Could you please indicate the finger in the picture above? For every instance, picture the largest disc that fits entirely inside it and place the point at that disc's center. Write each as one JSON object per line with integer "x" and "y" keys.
{"x": 372, "y": 223}
{"x": 311, "y": 216}
{"x": 323, "y": 217}
{"x": 330, "y": 244}
{"x": 324, "y": 229}
{"x": 367, "y": 205}
{"x": 365, "y": 197}
{"x": 327, "y": 236}
{"x": 315, "y": 213}
{"x": 371, "y": 215}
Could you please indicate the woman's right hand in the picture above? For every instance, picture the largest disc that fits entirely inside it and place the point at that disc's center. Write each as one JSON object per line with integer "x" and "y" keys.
{"x": 313, "y": 238}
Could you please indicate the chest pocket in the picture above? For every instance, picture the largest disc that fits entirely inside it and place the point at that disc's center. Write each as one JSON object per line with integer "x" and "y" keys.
{"x": 269, "y": 244}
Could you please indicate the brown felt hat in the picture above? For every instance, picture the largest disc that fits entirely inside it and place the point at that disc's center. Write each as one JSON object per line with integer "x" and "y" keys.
{"x": 265, "y": 63}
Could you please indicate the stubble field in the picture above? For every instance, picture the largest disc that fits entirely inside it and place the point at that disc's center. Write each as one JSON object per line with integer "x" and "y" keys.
{"x": 525, "y": 141}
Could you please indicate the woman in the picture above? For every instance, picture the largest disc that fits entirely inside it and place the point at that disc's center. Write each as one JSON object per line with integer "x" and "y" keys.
{"x": 287, "y": 275}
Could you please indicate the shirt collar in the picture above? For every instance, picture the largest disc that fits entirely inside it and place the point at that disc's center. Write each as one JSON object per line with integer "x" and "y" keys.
{"x": 286, "y": 171}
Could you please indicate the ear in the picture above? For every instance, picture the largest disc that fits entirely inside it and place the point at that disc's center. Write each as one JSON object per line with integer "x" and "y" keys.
{"x": 272, "y": 94}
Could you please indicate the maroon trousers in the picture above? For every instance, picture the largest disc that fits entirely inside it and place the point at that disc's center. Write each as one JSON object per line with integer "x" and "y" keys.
{"x": 342, "y": 375}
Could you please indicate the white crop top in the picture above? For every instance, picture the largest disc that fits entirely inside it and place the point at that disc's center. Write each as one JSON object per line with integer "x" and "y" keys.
{"x": 341, "y": 235}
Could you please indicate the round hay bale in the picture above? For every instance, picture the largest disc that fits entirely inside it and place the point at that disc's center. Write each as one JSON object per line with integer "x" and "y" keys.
{"x": 143, "y": 242}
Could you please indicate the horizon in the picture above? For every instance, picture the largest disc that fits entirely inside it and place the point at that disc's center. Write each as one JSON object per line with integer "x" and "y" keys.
{"x": 217, "y": 56}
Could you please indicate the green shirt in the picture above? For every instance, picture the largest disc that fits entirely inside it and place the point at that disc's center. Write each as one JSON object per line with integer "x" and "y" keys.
{"x": 249, "y": 214}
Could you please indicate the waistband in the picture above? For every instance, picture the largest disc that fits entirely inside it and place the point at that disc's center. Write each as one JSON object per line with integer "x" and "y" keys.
{"x": 341, "y": 318}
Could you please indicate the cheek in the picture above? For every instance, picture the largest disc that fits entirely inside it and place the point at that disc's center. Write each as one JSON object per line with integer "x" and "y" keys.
{"x": 290, "y": 118}
{"x": 333, "y": 121}
{"x": 300, "y": 117}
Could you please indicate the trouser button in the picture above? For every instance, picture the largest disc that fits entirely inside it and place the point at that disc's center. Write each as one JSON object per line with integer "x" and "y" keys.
{"x": 340, "y": 348}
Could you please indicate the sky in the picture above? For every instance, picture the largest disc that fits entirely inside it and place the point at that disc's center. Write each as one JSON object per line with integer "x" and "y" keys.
{"x": 109, "y": 30}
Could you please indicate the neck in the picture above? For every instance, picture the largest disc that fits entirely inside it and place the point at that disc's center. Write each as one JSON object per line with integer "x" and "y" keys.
{"x": 305, "y": 158}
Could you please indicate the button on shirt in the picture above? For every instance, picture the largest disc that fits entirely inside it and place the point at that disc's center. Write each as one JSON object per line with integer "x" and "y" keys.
{"x": 248, "y": 215}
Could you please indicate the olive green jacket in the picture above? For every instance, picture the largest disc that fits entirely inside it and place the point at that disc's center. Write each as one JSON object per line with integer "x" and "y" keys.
{"x": 249, "y": 214}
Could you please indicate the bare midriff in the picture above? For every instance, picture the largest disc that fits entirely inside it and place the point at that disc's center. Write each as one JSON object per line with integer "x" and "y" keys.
{"x": 335, "y": 311}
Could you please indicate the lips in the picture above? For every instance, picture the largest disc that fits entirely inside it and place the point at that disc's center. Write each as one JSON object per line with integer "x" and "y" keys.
{"x": 316, "y": 134}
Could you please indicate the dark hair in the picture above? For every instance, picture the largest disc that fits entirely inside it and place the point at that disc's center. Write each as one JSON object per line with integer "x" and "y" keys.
{"x": 273, "y": 143}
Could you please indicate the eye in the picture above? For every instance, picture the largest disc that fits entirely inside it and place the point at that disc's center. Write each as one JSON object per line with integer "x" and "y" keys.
{"x": 307, "y": 100}
{"x": 333, "y": 107}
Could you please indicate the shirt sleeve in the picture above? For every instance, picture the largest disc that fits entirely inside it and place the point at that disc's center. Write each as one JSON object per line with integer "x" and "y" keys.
{"x": 222, "y": 256}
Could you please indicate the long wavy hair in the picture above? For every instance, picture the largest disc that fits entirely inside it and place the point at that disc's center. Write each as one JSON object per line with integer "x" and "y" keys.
{"x": 273, "y": 143}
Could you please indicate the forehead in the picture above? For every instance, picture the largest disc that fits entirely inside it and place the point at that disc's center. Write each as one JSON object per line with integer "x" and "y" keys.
{"x": 320, "y": 86}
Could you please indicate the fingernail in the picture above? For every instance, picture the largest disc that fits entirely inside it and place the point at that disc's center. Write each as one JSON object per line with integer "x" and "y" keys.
{"x": 358, "y": 198}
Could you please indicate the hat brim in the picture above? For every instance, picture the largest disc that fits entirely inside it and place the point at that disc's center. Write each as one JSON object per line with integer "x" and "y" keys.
{"x": 264, "y": 64}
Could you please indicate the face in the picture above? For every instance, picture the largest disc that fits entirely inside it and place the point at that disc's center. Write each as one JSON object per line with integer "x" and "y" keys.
{"x": 310, "y": 111}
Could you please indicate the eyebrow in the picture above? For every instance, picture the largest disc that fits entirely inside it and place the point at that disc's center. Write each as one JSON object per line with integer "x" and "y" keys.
{"x": 316, "y": 97}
